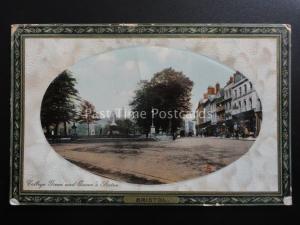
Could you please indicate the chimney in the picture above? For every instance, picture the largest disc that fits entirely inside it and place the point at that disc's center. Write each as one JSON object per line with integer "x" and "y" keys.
{"x": 217, "y": 87}
{"x": 230, "y": 81}
{"x": 210, "y": 90}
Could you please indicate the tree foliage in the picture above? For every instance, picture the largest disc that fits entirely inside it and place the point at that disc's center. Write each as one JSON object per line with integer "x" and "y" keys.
{"x": 125, "y": 126}
{"x": 87, "y": 114}
{"x": 59, "y": 102}
{"x": 168, "y": 91}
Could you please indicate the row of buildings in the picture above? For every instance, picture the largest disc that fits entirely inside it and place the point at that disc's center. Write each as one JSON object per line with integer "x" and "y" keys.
{"x": 234, "y": 108}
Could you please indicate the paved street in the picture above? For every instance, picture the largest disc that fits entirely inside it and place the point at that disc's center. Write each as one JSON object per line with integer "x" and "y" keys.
{"x": 155, "y": 162}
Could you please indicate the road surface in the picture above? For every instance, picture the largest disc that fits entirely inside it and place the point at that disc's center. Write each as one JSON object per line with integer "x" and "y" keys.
{"x": 154, "y": 162}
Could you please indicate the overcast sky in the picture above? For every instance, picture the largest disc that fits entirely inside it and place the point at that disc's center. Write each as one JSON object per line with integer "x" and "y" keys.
{"x": 108, "y": 80}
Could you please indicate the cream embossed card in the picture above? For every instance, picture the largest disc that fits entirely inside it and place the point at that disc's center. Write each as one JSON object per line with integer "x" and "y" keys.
{"x": 150, "y": 114}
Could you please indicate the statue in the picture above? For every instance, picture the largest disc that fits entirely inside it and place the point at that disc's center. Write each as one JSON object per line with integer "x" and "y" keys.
{"x": 113, "y": 125}
{"x": 113, "y": 119}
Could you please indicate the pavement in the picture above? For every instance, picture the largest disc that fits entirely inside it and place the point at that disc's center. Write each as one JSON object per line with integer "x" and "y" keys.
{"x": 154, "y": 162}
{"x": 233, "y": 138}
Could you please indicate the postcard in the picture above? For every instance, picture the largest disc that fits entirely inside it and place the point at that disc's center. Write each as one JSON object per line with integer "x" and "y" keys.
{"x": 150, "y": 114}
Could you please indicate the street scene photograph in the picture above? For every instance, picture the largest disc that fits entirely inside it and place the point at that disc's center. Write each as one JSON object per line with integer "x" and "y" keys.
{"x": 151, "y": 115}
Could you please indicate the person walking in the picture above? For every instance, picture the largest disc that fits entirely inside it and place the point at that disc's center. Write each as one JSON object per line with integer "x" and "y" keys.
{"x": 246, "y": 132}
{"x": 236, "y": 130}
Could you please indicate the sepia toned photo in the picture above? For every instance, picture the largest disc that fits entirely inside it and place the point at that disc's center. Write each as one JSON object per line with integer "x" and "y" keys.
{"x": 139, "y": 114}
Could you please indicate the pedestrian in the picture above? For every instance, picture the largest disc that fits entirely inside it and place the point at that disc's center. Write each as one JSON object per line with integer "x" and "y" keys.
{"x": 174, "y": 136}
{"x": 236, "y": 130}
{"x": 246, "y": 132}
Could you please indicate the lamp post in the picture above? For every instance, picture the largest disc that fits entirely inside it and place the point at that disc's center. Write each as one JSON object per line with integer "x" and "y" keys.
{"x": 152, "y": 128}
{"x": 74, "y": 126}
{"x": 74, "y": 129}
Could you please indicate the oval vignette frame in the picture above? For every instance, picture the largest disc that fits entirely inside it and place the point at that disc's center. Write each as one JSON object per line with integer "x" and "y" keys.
{"x": 227, "y": 123}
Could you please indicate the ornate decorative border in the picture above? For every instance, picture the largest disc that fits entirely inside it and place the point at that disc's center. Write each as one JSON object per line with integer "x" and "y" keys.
{"x": 252, "y": 30}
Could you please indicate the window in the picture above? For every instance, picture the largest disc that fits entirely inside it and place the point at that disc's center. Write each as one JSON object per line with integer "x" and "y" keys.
{"x": 245, "y": 105}
{"x": 235, "y": 93}
{"x": 250, "y": 85}
{"x": 250, "y": 101}
{"x": 240, "y": 105}
{"x": 245, "y": 87}
{"x": 259, "y": 105}
{"x": 240, "y": 91}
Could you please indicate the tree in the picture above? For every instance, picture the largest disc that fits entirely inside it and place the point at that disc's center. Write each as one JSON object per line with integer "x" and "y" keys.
{"x": 87, "y": 114}
{"x": 125, "y": 126}
{"x": 143, "y": 103}
{"x": 169, "y": 92}
{"x": 59, "y": 102}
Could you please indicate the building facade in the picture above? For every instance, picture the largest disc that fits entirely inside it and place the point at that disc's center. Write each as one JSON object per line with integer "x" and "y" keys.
{"x": 228, "y": 107}
{"x": 236, "y": 104}
{"x": 203, "y": 114}
{"x": 246, "y": 104}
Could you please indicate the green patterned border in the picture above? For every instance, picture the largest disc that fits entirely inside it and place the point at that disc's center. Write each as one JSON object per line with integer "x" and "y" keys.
{"x": 282, "y": 32}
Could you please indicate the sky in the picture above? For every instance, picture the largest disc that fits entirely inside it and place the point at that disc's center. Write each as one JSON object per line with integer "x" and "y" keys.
{"x": 108, "y": 80}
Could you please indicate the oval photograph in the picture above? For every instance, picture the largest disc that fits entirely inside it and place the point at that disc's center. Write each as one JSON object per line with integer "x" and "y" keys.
{"x": 151, "y": 115}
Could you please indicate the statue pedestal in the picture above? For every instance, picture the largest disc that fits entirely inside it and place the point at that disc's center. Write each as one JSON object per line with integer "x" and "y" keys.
{"x": 152, "y": 130}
